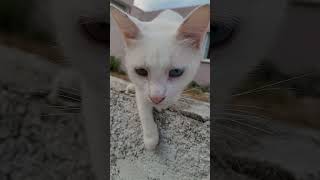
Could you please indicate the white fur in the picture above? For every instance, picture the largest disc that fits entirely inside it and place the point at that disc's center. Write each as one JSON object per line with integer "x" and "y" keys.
{"x": 158, "y": 50}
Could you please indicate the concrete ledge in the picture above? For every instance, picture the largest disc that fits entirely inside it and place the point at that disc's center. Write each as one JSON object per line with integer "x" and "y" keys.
{"x": 32, "y": 131}
{"x": 184, "y": 148}
{"x": 196, "y": 109}
{"x": 286, "y": 152}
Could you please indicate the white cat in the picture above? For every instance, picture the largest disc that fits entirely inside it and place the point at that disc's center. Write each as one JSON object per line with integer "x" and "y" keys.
{"x": 162, "y": 58}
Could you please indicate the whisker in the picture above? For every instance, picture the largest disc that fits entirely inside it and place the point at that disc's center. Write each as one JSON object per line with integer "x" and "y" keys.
{"x": 64, "y": 107}
{"x": 222, "y": 133}
{"x": 58, "y": 114}
{"x": 262, "y": 117}
{"x": 253, "y": 118}
{"x": 64, "y": 91}
{"x": 241, "y": 105}
{"x": 243, "y": 116}
{"x": 238, "y": 131}
{"x": 270, "y": 85}
{"x": 69, "y": 89}
{"x": 238, "y": 121}
{"x": 69, "y": 97}
{"x": 271, "y": 89}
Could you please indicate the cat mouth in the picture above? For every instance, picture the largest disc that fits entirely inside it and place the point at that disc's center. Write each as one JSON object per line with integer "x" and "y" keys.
{"x": 163, "y": 105}
{"x": 157, "y": 105}
{"x": 160, "y": 107}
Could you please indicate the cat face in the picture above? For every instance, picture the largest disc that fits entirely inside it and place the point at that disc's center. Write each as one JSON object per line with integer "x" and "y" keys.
{"x": 163, "y": 56}
{"x": 162, "y": 69}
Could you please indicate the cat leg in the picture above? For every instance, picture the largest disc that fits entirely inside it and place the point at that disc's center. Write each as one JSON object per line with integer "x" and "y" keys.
{"x": 130, "y": 88}
{"x": 149, "y": 127}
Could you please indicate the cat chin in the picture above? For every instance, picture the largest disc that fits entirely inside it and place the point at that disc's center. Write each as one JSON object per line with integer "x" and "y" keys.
{"x": 161, "y": 108}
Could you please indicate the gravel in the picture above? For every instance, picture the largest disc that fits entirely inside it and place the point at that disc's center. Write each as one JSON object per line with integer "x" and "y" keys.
{"x": 183, "y": 151}
{"x": 40, "y": 142}
{"x": 37, "y": 140}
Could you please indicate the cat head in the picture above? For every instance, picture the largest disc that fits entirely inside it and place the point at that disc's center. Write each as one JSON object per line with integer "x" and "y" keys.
{"x": 163, "y": 55}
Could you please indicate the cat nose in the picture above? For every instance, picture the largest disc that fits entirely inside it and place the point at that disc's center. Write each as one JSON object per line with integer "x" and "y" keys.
{"x": 157, "y": 99}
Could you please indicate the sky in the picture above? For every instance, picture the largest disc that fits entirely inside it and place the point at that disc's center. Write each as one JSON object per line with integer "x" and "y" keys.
{"x": 150, "y": 5}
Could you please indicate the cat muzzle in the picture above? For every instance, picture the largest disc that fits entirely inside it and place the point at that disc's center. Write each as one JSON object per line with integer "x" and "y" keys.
{"x": 157, "y": 99}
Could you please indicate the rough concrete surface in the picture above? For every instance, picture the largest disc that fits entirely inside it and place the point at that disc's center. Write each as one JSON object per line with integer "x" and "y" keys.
{"x": 284, "y": 153}
{"x": 294, "y": 150}
{"x": 184, "y": 148}
{"x": 40, "y": 140}
{"x": 37, "y": 141}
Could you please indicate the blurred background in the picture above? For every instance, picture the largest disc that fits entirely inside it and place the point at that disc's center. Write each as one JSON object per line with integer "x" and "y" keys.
{"x": 268, "y": 126}
{"x": 38, "y": 139}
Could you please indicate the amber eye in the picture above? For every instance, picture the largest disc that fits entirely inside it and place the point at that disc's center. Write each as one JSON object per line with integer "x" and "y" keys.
{"x": 141, "y": 72}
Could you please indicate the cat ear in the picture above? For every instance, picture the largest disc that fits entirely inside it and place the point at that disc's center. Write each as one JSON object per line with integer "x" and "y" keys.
{"x": 195, "y": 25}
{"x": 127, "y": 27}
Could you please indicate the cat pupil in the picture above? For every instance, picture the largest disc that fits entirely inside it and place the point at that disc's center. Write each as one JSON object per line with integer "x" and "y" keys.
{"x": 141, "y": 72}
{"x": 175, "y": 72}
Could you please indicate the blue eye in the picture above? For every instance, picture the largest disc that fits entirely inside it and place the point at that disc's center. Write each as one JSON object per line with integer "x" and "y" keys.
{"x": 173, "y": 73}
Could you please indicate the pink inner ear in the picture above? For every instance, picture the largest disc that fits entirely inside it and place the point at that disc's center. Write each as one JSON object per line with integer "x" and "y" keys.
{"x": 128, "y": 28}
{"x": 195, "y": 38}
{"x": 195, "y": 26}
{"x": 131, "y": 32}
{"x": 195, "y": 35}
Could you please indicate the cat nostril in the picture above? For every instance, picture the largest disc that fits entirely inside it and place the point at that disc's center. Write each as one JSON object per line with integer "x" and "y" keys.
{"x": 157, "y": 99}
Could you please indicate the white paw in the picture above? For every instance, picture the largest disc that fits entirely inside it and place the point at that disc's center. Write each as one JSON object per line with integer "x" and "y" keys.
{"x": 151, "y": 142}
{"x": 151, "y": 137}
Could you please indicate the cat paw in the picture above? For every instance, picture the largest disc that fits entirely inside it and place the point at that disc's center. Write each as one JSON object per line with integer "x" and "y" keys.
{"x": 151, "y": 142}
{"x": 151, "y": 137}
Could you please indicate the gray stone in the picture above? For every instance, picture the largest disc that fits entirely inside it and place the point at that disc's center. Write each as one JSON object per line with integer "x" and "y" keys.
{"x": 183, "y": 151}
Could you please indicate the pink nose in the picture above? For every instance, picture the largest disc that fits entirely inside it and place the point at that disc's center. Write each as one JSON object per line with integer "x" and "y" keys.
{"x": 157, "y": 99}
